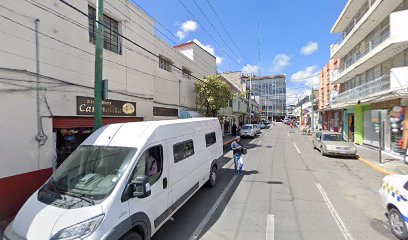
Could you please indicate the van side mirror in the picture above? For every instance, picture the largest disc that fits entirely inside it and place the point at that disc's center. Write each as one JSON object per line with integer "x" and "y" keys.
{"x": 140, "y": 187}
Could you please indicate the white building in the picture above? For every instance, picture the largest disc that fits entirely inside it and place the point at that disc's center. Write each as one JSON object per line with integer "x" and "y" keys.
{"x": 373, "y": 74}
{"x": 47, "y": 78}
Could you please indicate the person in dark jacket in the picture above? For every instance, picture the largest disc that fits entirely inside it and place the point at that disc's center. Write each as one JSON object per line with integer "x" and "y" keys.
{"x": 234, "y": 129}
{"x": 237, "y": 154}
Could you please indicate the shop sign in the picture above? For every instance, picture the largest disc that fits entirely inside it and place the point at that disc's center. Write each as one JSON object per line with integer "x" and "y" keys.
{"x": 386, "y": 105}
{"x": 166, "y": 112}
{"x": 85, "y": 106}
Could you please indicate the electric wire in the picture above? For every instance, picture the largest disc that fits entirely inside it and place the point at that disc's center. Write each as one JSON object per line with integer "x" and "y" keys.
{"x": 208, "y": 33}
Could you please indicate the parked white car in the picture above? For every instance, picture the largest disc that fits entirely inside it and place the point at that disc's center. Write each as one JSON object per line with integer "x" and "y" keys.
{"x": 123, "y": 182}
{"x": 394, "y": 196}
{"x": 248, "y": 130}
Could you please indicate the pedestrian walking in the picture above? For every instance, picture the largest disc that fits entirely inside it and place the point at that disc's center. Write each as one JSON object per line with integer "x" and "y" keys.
{"x": 237, "y": 155}
{"x": 291, "y": 126}
{"x": 234, "y": 129}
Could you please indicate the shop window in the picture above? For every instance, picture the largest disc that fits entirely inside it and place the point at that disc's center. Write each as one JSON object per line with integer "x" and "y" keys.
{"x": 210, "y": 139}
{"x": 183, "y": 150}
{"x": 111, "y": 39}
{"x": 150, "y": 164}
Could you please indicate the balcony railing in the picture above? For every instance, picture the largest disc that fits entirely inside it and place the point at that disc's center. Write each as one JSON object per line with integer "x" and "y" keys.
{"x": 354, "y": 21}
{"x": 365, "y": 90}
{"x": 376, "y": 40}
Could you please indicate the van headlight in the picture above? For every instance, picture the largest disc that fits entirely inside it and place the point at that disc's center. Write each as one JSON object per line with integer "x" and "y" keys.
{"x": 79, "y": 230}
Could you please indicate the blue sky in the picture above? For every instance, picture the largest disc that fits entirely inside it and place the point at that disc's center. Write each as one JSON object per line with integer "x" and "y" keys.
{"x": 295, "y": 35}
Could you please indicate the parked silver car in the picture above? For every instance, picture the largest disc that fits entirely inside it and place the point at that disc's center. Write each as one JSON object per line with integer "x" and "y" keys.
{"x": 248, "y": 130}
{"x": 332, "y": 143}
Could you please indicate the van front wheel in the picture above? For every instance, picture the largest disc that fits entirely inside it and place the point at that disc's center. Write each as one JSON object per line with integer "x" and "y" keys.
{"x": 132, "y": 236}
{"x": 213, "y": 177}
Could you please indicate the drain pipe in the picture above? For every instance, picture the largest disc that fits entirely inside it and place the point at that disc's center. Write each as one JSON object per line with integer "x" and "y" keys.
{"x": 40, "y": 136}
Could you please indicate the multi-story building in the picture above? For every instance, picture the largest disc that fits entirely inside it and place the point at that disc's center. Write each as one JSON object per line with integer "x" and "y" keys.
{"x": 305, "y": 109}
{"x": 47, "y": 78}
{"x": 237, "y": 110}
{"x": 330, "y": 119}
{"x": 373, "y": 71}
{"x": 272, "y": 94}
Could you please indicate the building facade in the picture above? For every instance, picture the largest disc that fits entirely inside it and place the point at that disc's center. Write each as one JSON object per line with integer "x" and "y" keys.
{"x": 373, "y": 71}
{"x": 330, "y": 118}
{"x": 47, "y": 79}
{"x": 306, "y": 111}
{"x": 272, "y": 95}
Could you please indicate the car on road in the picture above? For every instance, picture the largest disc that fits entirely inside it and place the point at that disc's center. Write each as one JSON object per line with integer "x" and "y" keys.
{"x": 248, "y": 130}
{"x": 258, "y": 128}
{"x": 334, "y": 144}
{"x": 262, "y": 125}
{"x": 123, "y": 182}
{"x": 286, "y": 121}
{"x": 394, "y": 198}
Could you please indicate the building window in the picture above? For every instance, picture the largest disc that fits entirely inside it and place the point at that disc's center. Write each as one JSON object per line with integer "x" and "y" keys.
{"x": 186, "y": 73}
{"x": 165, "y": 63}
{"x": 111, "y": 40}
{"x": 183, "y": 150}
{"x": 210, "y": 139}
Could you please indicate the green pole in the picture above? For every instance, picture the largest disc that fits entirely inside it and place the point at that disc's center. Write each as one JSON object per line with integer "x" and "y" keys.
{"x": 312, "y": 117}
{"x": 98, "y": 65}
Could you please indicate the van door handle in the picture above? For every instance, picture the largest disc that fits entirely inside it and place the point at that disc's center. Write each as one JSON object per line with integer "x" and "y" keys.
{"x": 164, "y": 183}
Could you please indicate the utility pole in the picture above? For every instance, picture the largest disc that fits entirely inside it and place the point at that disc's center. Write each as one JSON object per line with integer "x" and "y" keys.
{"x": 312, "y": 111}
{"x": 250, "y": 98}
{"x": 259, "y": 50}
{"x": 98, "y": 65}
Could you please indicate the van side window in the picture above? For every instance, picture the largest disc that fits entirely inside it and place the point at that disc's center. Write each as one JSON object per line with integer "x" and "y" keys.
{"x": 183, "y": 150}
{"x": 210, "y": 139}
{"x": 150, "y": 164}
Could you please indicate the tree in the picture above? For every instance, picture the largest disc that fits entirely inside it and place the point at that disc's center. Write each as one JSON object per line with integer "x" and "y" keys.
{"x": 212, "y": 95}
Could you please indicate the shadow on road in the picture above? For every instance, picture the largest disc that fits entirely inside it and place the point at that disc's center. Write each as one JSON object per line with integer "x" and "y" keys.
{"x": 189, "y": 217}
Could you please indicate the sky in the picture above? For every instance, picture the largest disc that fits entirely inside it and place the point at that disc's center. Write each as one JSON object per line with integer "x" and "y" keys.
{"x": 294, "y": 35}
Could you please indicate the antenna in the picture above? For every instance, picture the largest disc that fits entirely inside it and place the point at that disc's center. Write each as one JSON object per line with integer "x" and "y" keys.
{"x": 259, "y": 50}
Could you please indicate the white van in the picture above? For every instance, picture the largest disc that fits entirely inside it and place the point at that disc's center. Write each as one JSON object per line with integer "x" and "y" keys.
{"x": 123, "y": 182}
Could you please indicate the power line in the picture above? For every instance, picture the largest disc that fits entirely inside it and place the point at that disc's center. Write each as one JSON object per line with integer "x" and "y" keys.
{"x": 124, "y": 37}
{"x": 192, "y": 15}
{"x": 135, "y": 12}
{"x": 225, "y": 29}
{"x": 137, "y": 70}
{"x": 209, "y": 21}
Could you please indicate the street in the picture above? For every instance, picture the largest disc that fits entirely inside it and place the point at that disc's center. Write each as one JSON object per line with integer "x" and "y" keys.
{"x": 288, "y": 191}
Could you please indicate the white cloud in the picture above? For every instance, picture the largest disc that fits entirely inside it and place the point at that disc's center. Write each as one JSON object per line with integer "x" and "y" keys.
{"x": 279, "y": 62}
{"x": 209, "y": 49}
{"x": 250, "y": 69}
{"x": 292, "y": 94}
{"x": 308, "y": 76}
{"x": 186, "y": 27}
{"x": 309, "y": 48}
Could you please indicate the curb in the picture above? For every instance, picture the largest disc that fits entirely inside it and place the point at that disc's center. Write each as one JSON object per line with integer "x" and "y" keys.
{"x": 375, "y": 167}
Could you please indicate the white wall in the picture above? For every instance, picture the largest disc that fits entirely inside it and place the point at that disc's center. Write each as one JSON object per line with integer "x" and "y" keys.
{"x": 134, "y": 73}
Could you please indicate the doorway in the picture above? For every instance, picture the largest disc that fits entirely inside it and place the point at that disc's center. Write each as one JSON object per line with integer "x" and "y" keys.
{"x": 350, "y": 127}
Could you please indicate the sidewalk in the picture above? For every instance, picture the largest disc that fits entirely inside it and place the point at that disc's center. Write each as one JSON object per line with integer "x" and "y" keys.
{"x": 390, "y": 163}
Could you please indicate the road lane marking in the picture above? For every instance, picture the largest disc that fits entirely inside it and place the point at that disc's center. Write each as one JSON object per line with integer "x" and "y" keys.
{"x": 340, "y": 224}
{"x": 260, "y": 142}
{"x": 266, "y": 133}
{"x": 288, "y": 134}
{"x": 270, "y": 227}
{"x": 207, "y": 217}
{"x": 297, "y": 149}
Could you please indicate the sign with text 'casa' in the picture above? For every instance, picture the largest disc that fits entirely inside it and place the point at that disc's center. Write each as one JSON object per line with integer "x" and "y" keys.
{"x": 85, "y": 106}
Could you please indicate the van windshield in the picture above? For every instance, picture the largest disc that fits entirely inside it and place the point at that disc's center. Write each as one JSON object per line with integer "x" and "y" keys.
{"x": 90, "y": 173}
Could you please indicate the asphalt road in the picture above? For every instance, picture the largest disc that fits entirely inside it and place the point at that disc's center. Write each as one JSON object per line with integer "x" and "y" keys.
{"x": 289, "y": 191}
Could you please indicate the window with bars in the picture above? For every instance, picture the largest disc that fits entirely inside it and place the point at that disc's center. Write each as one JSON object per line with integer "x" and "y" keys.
{"x": 111, "y": 39}
{"x": 186, "y": 73}
{"x": 165, "y": 64}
